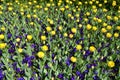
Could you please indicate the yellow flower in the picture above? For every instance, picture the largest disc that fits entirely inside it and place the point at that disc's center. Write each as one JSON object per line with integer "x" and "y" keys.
{"x": 104, "y": 24}
{"x": 80, "y": 25}
{"x": 28, "y": 16}
{"x": 109, "y": 17}
{"x": 20, "y": 50}
{"x": 44, "y": 48}
{"x": 77, "y": 20}
{"x": 108, "y": 35}
{"x": 60, "y": 28}
{"x": 43, "y": 38}
{"x": 66, "y": 6}
{"x": 29, "y": 37}
{"x": 2, "y": 45}
{"x": 65, "y": 34}
{"x": 111, "y": 64}
{"x": 31, "y": 23}
{"x": 118, "y": 28}
{"x": 34, "y": 1}
{"x": 74, "y": 10}
{"x": 94, "y": 28}
{"x": 114, "y": 3}
{"x": 48, "y": 28}
{"x": 77, "y": 15}
{"x": 109, "y": 27}
{"x": 100, "y": 5}
{"x": 78, "y": 9}
{"x": 94, "y": 7}
{"x": 85, "y": 19}
{"x": 46, "y": 9}
{"x": 99, "y": 20}
{"x": 74, "y": 30}
{"x": 53, "y": 32}
{"x": 105, "y": 1}
{"x": 59, "y": 3}
{"x": 94, "y": 10}
{"x": 37, "y": 6}
{"x": 51, "y": 21}
{"x": 105, "y": 10}
{"x": 115, "y": 18}
{"x": 53, "y": 4}
{"x": 95, "y": 19}
{"x": 87, "y": 13}
{"x": 73, "y": 59}
{"x": 70, "y": 35}
{"x": 89, "y": 26}
{"x": 48, "y": 4}
{"x": 62, "y": 9}
{"x": 29, "y": 3}
{"x": 78, "y": 47}
{"x": 97, "y": 2}
{"x": 92, "y": 48}
{"x": 90, "y": 2}
{"x": 1, "y": 12}
{"x": 48, "y": 19}
{"x": 69, "y": 15}
{"x": 1, "y": 36}
{"x": 86, "y": 2}
{"x": 103, "y": 30}
{"x": 18, "y": 39}
{"x": 116, "y": 35}
{"x": 35, "y": 16}
{"x": 22, "y": 13}
{"x": 10, "y": 8}
{"x": 79, "y": 3}
{"x": 70, "y": 2}
{"x": 40, "y": 54}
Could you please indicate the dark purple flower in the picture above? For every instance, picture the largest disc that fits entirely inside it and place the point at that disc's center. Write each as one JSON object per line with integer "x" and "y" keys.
{"x": 46, "y": 66}
{"x": 117, "y": 51}
{"x": 73, "y": 66}
{"x": 99, "y": 50}
{"x": 22, "y": 72}
{"x": 88, "y": 66}
{"x": 14, "y": 65}
{"x": 1, "y": 65}
{"x": 18, "y": 70}
{"x": 81, "y": 31}
{"x": 53, "y": 55}
{"x": 33, "y": 46}
{"x": 9, "y": 35}
{"x": 0, "y": 52}
{"x": 96, "y": 78}
{"x": 23, "y": 30}
{"x": 32, "y": 78}
{"x": 30, "y": 63}
{"x": 21, "y": 78}
{"x": 74, "y": 50}
{"x": 72, "y": 78}
{"x": 68, "y": 62}
{"x": 1, "y": 75}
{"x": 32, "y": 57}
{"x": 78, "y": 41}
{"x": 26, "y": 59}
{"x": 78, "y": 73}
{"x": 86, "y": 71}
{"x": 87, "y": 53}
{"x": 95, "y": 72}
{"x": 82, "y": 76}
{"x": 11, "y": 50}
{"x": 60, "y": 76}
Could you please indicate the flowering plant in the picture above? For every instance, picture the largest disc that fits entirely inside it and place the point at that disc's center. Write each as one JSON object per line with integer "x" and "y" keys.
{"x": 59, "y": 40}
